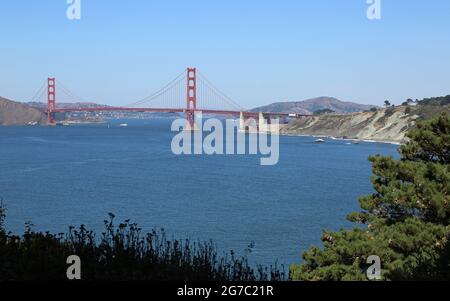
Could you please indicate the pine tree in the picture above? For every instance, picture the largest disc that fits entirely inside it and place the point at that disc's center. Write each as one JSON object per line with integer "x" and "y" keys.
{"x": 406, "y": 222}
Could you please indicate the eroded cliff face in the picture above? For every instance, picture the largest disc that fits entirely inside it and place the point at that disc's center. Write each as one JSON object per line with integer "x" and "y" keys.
{"x": 389, "y": 125}
{"x": 14, "y": 113}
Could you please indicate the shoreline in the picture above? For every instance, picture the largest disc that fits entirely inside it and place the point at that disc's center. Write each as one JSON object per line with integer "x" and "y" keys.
{"x": 345, "y": 139}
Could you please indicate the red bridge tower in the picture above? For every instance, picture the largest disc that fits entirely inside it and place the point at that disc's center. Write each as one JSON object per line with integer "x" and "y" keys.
{"x": 191, "y": 105}
{"x": 51, "y": 100}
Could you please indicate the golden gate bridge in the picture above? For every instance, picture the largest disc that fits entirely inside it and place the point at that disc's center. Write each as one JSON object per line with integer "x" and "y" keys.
{"x": 189, "y": 93}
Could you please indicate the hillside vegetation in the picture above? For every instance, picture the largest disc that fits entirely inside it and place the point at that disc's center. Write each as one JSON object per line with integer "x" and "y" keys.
{"x": 439, "y": 101}
{"x": 405, "y": 222}
{"x": 14, "y": 113}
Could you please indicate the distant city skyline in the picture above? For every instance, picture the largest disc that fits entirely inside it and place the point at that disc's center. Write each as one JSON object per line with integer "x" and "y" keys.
{"x": 257, "y": 51}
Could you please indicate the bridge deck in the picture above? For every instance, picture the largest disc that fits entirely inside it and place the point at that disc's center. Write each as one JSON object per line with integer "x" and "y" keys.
{"x": 166, "y": 110}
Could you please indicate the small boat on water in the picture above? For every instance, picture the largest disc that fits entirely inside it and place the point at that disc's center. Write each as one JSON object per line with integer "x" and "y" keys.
{"x": 320, "y": 140}
{"x": 123, "y": 125}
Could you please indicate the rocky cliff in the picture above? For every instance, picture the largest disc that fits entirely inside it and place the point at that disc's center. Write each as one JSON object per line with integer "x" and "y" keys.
{"x": 14, "y": 113}
{"x": 389, "y": 125}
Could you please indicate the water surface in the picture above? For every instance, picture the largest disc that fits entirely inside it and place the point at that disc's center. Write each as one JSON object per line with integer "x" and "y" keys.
{"x": 57, "y": 177}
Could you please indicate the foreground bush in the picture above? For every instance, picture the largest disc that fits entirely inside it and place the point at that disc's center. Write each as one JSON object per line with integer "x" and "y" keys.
{"x": 120, "y": 253}
{"x": 407, "y": 219}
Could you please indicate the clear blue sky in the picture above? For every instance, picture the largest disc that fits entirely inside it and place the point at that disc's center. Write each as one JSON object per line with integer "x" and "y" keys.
{"x": 257, "y": 51}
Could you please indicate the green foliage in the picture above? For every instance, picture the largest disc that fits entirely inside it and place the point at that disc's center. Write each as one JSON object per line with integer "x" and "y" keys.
{"x": 387, "y": 103}
{"x": 408, "y": 102}
{"x": 430, "y": 142}
{"x": 406, "y": 222}
{"x": 122, "y": 253}
{"x": 408, "y": 110}
{"x": 371, "y": 110}
{"x": 324, "y": 112}
{"x": 439, "y": 101}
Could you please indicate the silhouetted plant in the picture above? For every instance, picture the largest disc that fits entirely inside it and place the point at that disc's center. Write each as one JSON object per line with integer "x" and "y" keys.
{"x": 2, "y": 216}
{"x": 122, "y": 253}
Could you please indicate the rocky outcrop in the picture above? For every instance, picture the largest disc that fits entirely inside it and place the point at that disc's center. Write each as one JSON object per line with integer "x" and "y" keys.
{"x": 388, "y": 125}
{"x": 14, "y": 113}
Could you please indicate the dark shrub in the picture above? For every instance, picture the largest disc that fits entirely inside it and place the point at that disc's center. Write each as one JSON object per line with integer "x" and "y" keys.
{"x": 122, "y": 253}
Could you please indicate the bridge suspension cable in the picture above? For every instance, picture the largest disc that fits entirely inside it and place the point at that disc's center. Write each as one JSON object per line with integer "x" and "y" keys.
{"x": 171, "y": 96}
{"x": 161, "y": 92}
{"x": 211, "y": 95}
{"x": 63, "y": 94}
{"x": 189, "y": 92}
{"x": 72, "y": 97}
{"x": 39, "y": 95}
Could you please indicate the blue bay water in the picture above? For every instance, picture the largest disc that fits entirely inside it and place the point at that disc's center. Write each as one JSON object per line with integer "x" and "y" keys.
{"x": 63, "y": 176}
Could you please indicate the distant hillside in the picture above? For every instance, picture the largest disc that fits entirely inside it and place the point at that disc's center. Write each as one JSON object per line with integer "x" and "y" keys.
{"x": 62, "y": 105}
{"x": 74, "y": 116}
{"x": 308, "y": 107}
{"x": 14, "y": 113}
